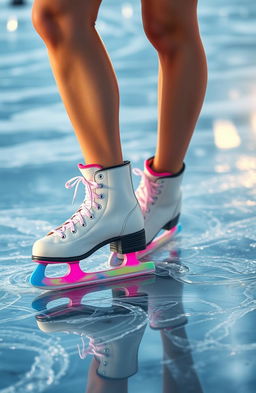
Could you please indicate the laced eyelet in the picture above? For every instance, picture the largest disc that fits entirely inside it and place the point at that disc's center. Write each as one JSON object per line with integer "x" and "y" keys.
{"x": 74, "y": 231}
{"x": 100, "y": 185}
{"x": 99, "y": 207}
{"x": 159, "y": 192}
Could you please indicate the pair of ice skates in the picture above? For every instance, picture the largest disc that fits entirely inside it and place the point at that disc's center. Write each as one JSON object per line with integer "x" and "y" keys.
{"x": 111, "y": 213}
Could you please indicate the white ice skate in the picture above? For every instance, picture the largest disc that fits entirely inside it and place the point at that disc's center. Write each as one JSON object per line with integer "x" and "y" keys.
{"x": 159, "y": 195}
{"x": 110, "y": 214}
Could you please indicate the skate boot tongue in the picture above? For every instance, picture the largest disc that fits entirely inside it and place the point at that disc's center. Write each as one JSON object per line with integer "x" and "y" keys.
{"x": 88, "y": 171}
{"x": 151, "y": 174}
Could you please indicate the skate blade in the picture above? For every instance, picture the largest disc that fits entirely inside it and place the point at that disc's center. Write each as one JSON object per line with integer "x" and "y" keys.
{"x": 77, "y": 277}
{"x": 159, "y": 241}
{"x": 115, "y": 259}
{"x": 74, "y": 296}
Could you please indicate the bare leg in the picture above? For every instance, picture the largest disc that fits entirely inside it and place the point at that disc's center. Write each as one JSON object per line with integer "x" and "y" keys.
{"x": 97, "y": 384}
{"x": 84, "y": 75}
{"x": 179, "y": 374}
{"x": 172, "y": 28}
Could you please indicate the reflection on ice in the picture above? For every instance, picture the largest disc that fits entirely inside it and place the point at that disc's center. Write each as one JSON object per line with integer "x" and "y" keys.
{"x": 113, "y": 333}
{"x": 198, "y": 314}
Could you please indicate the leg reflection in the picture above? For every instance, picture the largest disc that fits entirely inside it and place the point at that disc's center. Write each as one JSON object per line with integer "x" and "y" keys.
{"x": 97, "y": 384}
{"x": 113, "y": 324}
{"x": 112, "y": 327}
{"x": 166, "y": 314}
{"x": 178, "y": 371}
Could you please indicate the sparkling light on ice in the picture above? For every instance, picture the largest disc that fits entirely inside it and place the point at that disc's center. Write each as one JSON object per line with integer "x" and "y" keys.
{"x": 194, "y": 323}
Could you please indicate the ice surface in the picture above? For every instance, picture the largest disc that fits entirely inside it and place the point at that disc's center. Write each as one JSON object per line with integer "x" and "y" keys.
{"x": 195, "y": 330}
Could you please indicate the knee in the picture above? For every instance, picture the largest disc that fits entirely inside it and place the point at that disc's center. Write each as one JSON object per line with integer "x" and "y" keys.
{"x": 44, "y": 18}
{"x": 170, "y": 31}
{"x": 58, "y": 21}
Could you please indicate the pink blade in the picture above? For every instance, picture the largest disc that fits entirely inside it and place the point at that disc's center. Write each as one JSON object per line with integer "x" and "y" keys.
{"x": 130, "y": 267}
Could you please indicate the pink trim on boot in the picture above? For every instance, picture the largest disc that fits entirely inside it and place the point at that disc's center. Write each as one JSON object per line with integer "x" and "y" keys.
{"x": 82, "y": 166}
{"x": 148, "y": 164}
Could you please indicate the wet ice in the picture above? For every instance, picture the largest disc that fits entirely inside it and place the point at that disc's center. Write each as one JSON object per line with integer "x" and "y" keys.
{"x": 202, "y": 317}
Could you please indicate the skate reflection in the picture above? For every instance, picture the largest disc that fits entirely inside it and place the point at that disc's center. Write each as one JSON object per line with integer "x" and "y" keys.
{"x": 112, "y": 329}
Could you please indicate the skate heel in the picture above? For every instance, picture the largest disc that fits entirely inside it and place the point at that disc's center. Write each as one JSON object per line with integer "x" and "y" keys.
{"x": 129, "y": 243}
{"x": 169, "y": 225}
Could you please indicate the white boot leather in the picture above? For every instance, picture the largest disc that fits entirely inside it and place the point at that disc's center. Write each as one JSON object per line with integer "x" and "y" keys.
{"x": 118, "y": 358}
{"x": 160, "y": 198}
{"x": 115, "y": 334}
{"x": 109, "y": 214}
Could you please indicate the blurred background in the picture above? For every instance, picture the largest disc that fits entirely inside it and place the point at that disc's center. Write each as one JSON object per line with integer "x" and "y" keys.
{"x": 33, "y": 117}
{"x": 39, "y": 152}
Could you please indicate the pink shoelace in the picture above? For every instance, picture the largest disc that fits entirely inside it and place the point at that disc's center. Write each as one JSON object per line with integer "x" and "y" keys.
{"x": 147, "y": 191}
{"x": 87, "y": 348}
{"x": 85, "y": 209}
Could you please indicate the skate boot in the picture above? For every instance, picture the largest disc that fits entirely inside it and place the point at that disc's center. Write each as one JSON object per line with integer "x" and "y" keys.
{"x": 110, "y": 214}
{"x": 159, "y": 196}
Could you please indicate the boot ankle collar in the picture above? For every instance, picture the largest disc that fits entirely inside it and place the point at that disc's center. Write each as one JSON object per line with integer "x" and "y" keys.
{"x": 116, "y": 166}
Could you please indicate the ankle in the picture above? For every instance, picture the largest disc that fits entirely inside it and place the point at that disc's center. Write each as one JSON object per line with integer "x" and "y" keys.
{"x": 104, "y": 162}
{"x": 172, "y": 168}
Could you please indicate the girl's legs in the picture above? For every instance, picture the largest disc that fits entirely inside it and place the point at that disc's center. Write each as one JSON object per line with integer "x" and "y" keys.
{"x": 172, "y": 28}
{"x": 84, "y": 75}
{"x": 88, "y": 85}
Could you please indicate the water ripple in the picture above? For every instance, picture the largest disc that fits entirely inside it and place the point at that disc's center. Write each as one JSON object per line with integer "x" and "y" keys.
{"x": 46, "y": 361}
